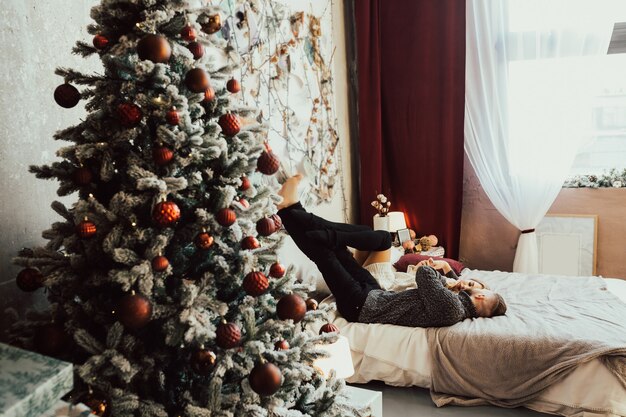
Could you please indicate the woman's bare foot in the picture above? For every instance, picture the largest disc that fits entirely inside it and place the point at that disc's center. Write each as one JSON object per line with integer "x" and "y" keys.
{"x": 289, "y": 191}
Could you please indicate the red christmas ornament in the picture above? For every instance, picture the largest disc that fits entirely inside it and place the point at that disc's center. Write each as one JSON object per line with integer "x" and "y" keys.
{"x": 196, "y": 49}
{"x": 277, "y": 270}
{"x": 245, "y": 183}
{"x": 311, "y": 304}
{"x": 265, "y": 226}
{"x": 172, "y": 117}
{"x": 291, "y": 307}
{"x": 255, "y": 283}
{"x": 278, "y": 222}
{"x": 134, "y": 311}
{"x": 228, "y": 335}
{"x": 244, "y": 203}
{"x": 160, "y": 263}
{"x": 212, "y": 25}
{"x": 233, "y": 86}
{"x": 281, "y": 345}
{"x": 154, "y": 48}
{"x": 268, "y": 163}
{"x": 66, "y": 95}
{"x": 50, "y": 339}
{"x": 209, "y": 95}
{"x": 29, "y": 280}
{"x": 203, "y": 361}
{"x": 250, "y": 242}
{"x": 166, "y": 213}
{"x": 82, "y": 176}
{"x": 230, "y": 124}
{"x": 188, "y": 33}
{"x": 100, "y": 41}
{"x": 86, "y": 229}
{"x": 329, "y": 328}
{"x": 197, "y": 80}
{"x": 226, "y": 217}
{"x": 162, "y": 155}
{"x": 265, "y": 379}
{"x": 203, "y": 241}
{"x": 129, "y": 114}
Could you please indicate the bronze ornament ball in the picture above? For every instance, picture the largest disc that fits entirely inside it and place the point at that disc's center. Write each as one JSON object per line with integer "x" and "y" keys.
{"x": 230, "y": 124}
{"x": 172, "y": 117}
{"x": 277, "y": 270}
{"x": 188, "y": 33}
{"x": 268, "y": 163}
{"x": 154, "y": 48}
{"x": 245, "y": 183}
{"x": 129, "y": 114}
{"x": 233, "y": 86}
{"x": 281, "y": 345}
{"x": 265, "y": 379}
{"x": 209, "y": 95}
{"x": 255, "y": 283}
{"x": 226, "y": 217}
{"x": 86, "y": 229}
{"x": 197, "y": 80}
{"x": 291, "y": 307}
{"x": 228, "y": 335}
{"x": 162, "y": 155}
{"x": 250, "y": 242}
{"x": 160, "y": 263}
{"x": 265, "y": 226}
{"x": 311, "y": 304}
{"x": 203, "y": 361}
{"x": 196, "y": 49}
{"x": 203, "y": 241}
{"x": 166, "y": 213}
{"x": 329, "y": 328}
{"x": 29, "y": 280}
{"x": 212, "y": 25}
{"x": 66, "y": 95}
{"x": 100, "y": 41}
{"x": 134, "y": 311}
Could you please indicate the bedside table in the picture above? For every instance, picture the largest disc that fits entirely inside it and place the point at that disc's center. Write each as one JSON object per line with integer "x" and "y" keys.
{"x": 363, "y": 398}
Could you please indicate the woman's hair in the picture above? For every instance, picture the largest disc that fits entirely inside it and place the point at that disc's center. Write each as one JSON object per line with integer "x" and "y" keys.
{"x": 499, "y": 308}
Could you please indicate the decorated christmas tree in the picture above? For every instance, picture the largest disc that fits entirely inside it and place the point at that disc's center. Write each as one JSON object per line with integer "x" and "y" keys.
{"x": 164, "y": 286}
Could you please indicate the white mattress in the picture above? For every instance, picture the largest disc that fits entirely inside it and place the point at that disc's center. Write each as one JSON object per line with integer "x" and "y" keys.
{"x": 400, "y": 356}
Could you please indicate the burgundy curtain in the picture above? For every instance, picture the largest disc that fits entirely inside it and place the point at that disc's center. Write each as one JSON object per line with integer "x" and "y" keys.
{"x": 411, "y": 92}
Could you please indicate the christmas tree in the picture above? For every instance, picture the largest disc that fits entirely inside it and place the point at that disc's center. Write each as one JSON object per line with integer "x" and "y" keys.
{"x": 162, "y": 278}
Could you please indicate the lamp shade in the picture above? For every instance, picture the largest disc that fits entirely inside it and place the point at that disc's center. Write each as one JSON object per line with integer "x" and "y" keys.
{"x": 396, "y": 221}
{"x": 339, "y": 358}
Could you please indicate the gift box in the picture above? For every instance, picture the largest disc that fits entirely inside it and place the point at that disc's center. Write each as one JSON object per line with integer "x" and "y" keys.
{"x": 31, "y": 384}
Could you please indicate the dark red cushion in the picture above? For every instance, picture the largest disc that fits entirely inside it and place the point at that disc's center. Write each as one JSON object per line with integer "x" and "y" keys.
{"x": 413, "y": 258}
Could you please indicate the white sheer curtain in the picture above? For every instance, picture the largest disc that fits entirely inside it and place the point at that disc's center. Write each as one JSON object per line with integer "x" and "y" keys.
{"x": 528, "y": 68}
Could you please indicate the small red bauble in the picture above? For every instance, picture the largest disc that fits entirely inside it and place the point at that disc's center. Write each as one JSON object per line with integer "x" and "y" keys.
{"x": 329, "y": 328}
{"x": 311, "y": 304}
{"x": 245, "y": 183}
{"x": 203, "y": 361}
{"x": 291, "y": 307}
{"x": 228, "y": 335}
{"x": 244, "y": 203}
{"x": 203, "y": 241}
{"x": 265, "y": 226}
{"x": 129, "y": 114}
{"x": 265, "y": 379}
{"x": 29, "y": 280}
{"x": 86, "y": 229}
{"x": 278, "y": 222}
{"x": 209, "y": 95}
{"x": 160, "y": 263}
{"x": 196, "y": 49}
{"x": 212, "y": 25}
{"x": 255, "y": 283}
{"x": 82, "y": 176}
{"x": 230, "y": 124}
{"x": 281, "y": 345}
{"x": 154, "y": 48}
{"x": 188, "y": 33}
{"x": 100, "y": 41}
{"x": 268, "y": 163}
{"x": 162, "y": 155}
{"x": 197, "y": 80}
{"x": 250, "y": 242}
{"x": 50, "y": 339}
{"x": 172, "y": 117}
{"x": 226, "y": 217}
{"x": 277, "y": 270}
{"x": 233, "y": 86}
{"x": 134, "y": 311}
{"x": 66, "y": 95}
{"x": 166, "y": 213}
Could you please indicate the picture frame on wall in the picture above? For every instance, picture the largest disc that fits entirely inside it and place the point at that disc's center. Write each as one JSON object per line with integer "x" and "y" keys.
{"x": 567, "y": 244}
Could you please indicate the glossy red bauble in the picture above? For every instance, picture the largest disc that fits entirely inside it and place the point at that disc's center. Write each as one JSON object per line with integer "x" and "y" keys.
{"x": 134, "y": 311}
{"x": 245, "y": 183}
{"x": 160, "y": 263}
{"x": 277, "y": 270}
{"x": 66, "y": 95}
{"x": 278, "y": 222}
{"x": 265, "y": 226}
{"x": 203, "y": 361}
{"x": 311, "y": 304}
{"x": 197, "y": 80}
{"x": 329, "y": 328}
{"x": 255, "y": 283}
{"x": 230, "y": 124}
{"x": 203, "y": 241}
{"x": 196, "y": 49}
{"x": 268, "y": 163}
{"x": 233, "y": 86}
{"x": 228, "y": 335}
{"x": 154, "y": 48}
{"x": 29, "y": 280}
{"x": 291, "y": 307}
{"x": 100, "y": 41}
{"x": 265, "y": 379}
{"x": 281, "y": 345}
{"x": 209, "y": 95}
{"x": 226, "y": 217}
{"x": 250, "y": 242}
{"x": 86, "y": 229}
{"x": 162, "y": 155}
{"x": 188, "y": 33}
{"x": 172, "y": 117}
{"x": 130, "y": 114}
{"x": 166, "y": 213}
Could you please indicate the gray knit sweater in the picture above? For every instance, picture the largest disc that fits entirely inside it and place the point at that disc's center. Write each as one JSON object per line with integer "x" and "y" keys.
{"x": 430, "y": 305}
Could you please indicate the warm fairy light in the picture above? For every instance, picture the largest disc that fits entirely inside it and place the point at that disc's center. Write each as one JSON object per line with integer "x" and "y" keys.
{"x": 134, "y": 224}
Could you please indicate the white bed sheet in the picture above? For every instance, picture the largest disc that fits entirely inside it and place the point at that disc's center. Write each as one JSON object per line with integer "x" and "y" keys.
{"x": 400, "y": 356}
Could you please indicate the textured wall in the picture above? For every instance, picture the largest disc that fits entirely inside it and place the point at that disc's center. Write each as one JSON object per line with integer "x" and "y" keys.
{"x": 488, "y": 241}
{"x": 36, "y": 37}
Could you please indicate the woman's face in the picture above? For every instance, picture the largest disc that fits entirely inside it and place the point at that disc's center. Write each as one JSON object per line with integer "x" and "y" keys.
{"x": 466, "y": 284}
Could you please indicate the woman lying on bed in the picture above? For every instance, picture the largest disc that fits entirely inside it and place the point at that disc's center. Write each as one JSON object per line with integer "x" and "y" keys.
{"x": 359, "y": 296}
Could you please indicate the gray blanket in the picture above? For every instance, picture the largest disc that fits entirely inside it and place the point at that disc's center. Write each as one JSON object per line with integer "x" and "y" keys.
{"x": 552, "y": 325}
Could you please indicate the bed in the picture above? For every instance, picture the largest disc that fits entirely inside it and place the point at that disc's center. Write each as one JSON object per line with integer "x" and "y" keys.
{"x": 400, "y": 356}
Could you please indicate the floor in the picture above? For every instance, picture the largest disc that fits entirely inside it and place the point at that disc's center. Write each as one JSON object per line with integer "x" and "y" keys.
{"x": 413, "y": 401}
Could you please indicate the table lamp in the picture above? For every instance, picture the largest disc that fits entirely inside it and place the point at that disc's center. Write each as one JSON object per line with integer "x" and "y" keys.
{"x": 339, "y": 358}
{"x": 392, "y": 222}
